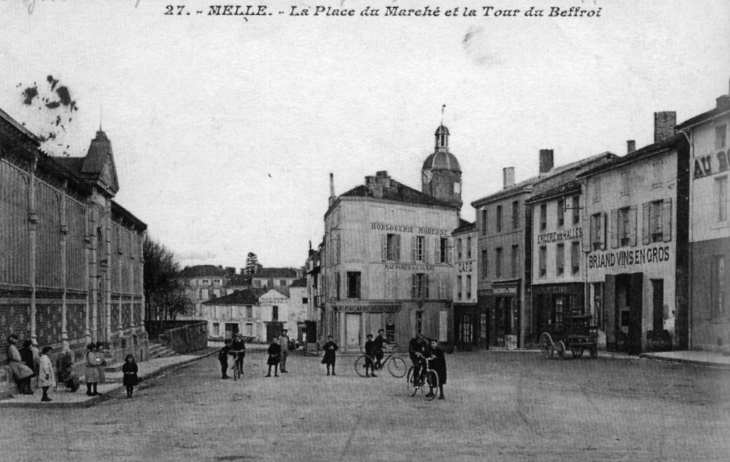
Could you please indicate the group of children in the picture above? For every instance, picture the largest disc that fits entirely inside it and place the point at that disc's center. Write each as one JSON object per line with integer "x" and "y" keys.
{"x": 95, "y": 373}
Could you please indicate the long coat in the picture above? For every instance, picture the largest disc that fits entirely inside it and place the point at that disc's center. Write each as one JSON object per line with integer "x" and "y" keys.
{"x": 329, "y": 353}
{"x": 46, "y": 376}
{"x": 93, "y": 363}
{"x": 20, "y": 370}
{"x": 438, "y": 364}
{"x": 274, "y": 354}
{"x": 130, "y": 374}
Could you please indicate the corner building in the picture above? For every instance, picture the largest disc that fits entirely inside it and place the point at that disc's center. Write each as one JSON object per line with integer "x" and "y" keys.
{"x": 388, "y": 260}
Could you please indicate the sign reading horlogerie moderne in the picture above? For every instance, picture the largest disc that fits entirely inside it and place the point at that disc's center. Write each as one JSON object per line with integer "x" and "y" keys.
{"x": 409, "y": 229}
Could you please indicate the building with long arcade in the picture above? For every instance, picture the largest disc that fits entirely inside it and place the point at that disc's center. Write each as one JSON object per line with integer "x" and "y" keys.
{"x": 388, "y": 262}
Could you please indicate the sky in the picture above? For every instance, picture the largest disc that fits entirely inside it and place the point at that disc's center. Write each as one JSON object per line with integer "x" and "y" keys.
{"x": 225, "y": 129}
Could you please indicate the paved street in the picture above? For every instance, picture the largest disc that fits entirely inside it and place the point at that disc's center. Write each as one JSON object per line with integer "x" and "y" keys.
{"x": 499, "y": 406}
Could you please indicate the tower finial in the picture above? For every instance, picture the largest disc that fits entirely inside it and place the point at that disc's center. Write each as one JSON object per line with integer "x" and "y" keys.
{"x": 101, "y": 115}
{"x": 442, "y": 113}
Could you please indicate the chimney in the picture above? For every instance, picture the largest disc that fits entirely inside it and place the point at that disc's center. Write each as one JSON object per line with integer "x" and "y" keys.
{"x": 630, "y": 146}
{"x": 508, "y": 174}
{"x": 332, "y": 189}
{"x": 664, "y": 123}
{"x": 723, "y": 102}
{"x": 369, "y": 180}
{"x": 546, "y": 160}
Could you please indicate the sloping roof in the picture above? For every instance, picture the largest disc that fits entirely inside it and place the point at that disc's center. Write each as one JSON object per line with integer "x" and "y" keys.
{"x": 712, "y": 113}
{"x": 398, "y": 192}
{"x": 19, "y": 127}
{"x": 239, "y": 297}
{"x": 639, "y": 154}
{"x": 560, "y": 190}
{"x": 72, "y": 164}
{"x": 464, "y": 226}
{"x": 514, "y": 189}
{"x": 202, "y": 271}
{"x": 240, "y": 280}
{"x": 275, "y": 273}
{"x": 299, "y": 283}
{"x": 282, "y": 290}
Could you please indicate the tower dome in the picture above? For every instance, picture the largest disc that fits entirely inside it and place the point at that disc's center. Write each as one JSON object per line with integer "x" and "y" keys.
{"x": 441, "y": 171}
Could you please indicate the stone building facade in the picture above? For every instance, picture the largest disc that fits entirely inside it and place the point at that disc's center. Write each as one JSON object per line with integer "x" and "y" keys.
{"x": 71, "y": 266}
{"x": 469, "y": 334}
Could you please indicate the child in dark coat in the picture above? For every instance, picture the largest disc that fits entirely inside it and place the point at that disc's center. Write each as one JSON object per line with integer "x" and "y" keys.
{"x": 438, "y": 364}
{"x": 274, "y": 357}
{"x": 329, "y": 354}
{"x": 370, "y": 356}
{"x": 223, "y": 358}
{"x": 130, "y": 370}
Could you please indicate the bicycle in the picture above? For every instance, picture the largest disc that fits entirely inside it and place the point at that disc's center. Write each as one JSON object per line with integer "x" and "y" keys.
{"x": 237, "y": 366}
{"x": 396, "y": 365}
{"x": 428, "y": 378}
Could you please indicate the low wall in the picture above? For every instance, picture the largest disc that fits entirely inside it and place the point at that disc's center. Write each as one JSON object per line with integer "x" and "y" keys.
{"x": 180, "y": 336}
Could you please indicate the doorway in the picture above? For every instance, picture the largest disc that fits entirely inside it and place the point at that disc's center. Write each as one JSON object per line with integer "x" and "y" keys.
{"x": 628, "y": 306}
{"x": 352, "y": 330}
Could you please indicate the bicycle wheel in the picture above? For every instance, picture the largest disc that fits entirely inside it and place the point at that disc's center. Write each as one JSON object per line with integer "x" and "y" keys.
{"x": 412, "y": 389}
{"x": 397, "y": 367}
{"x": 236, "y": 372}
{"x": 360, "y": 365}
{"x": 432, "y": 382}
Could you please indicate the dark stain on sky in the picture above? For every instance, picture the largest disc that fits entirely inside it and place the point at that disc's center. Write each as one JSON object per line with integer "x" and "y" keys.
{"x": 29, "y": 95}
{"x": 54, "y": 97}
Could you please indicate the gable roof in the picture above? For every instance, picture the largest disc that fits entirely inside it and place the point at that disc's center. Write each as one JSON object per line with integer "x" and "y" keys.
{"x": 275, "y": 273}
{"x": 643, "y": 153}
{"x": 202, "y": 271}
{"x": 239, "y": 297}
{"x": 240, "y": 280}
{"x": 398, "y": 192}
{"x": 299, "y": 283}
{"x": 282, "y": 290}
{"x": 711, "y": 114}
{"x": 464, "y": 226}
{"x": 560, "y": 190}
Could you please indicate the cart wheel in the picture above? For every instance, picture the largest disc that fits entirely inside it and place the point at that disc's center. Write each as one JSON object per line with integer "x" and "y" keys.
{"x": 546, "y": 345}
{"x": 594, "y": 351}
{"x": 577, "y": 352}
{"x": 561, "y": 349}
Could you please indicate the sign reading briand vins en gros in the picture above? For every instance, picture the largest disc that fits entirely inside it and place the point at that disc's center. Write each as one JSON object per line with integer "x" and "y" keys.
{"x": 560, "y": 236}
{"x": 409, "y": 229}
{"x": 659, "y": 254}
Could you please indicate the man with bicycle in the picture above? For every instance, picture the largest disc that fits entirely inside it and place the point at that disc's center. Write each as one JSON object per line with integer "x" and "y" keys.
{"x": 238, "y": 350}
{"x": 418, "y": 351}
{"x": 378, "y": 348}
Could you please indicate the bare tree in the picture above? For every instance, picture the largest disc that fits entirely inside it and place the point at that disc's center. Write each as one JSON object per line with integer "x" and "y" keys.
{"x": 164, "y": 293}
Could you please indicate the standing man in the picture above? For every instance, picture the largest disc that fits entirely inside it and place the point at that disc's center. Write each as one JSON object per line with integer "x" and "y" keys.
{"x": 223, "y": 358}
{"x": 379, "y": 345}
{"x": 369, "y": 354}
{"x": 284, "y": 343}
{"x": 438, "y": 365}
{"x": 417, "y": 352}
{"x": 238, "y": 350}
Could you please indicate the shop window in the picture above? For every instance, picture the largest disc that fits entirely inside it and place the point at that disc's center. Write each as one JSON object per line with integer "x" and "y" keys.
{"x": 458, "y": 287}
{"x": 515, "y": 214}
{"x": 274, "y": 313}
{"x": 576, "y": 210}
{"x": 543, "y": 261}
{"x": 561, "y": 213}
{"x": 468, "y": 286}
{"x": 353, "y": 284}
{"x": 598, "y": 305}
{"x": 498, "y": 263}
{"x": 575, "y": 257}
{"x": 468, "y": 248}
{"x": 484, "y": 222}
{"x": 559, "y": 308}
{"x": 391, "y": 247}
{"x": 515, "y": 260}
{"x": 543, "y": 217}
{"x": 721, "y": 194}
{"x": 560, "y": 259}
{"x": 499, "y": 218}
{"x": 390, "y": 332}
{"x": 485, "y": 264}
{"x": 720, "y": 136}
{"x": 719, "y": 286}
{"x": 419, "y": 322}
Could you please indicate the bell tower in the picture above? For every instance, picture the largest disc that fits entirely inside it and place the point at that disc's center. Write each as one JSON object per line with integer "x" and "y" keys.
{"x": 441, "y": 172}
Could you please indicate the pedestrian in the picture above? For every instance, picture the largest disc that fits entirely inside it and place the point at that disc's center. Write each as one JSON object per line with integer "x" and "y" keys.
{"x": 274, "y": 357}
{"x": 100, "y": 355}
{"x": 93, "y": 364}
{"x": 379, "y": 347}
{"x": 284, "y": 345}
{"x": 417, "y": 352}
{"x": 369, "y": 355}
{"x": 238, "y": 351}
{"x": 21, "y": 372}
{"x": 223, "y": 358}
{"x": 438, "y": 364}
{"x": 46, "y": 376}
{"x": 28, "y": 358}
{"x": 130, "y": 370}
{"x": 330, "y": 355}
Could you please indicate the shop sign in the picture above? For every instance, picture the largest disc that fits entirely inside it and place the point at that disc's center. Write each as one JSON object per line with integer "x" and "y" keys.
{"x": 465, "y": 266}
{"x": 709, "y": 164}
{"x": 273, "y": 301}
{"x": 629, "y": 257}
{"x": 420, "y": 268}
{"x": 409, "y": 229}
{"x": 509, "y": 290}
{"x": 560, "y": 236}
{"x": 555, "y": 289}
{"x": 367, "y": 308}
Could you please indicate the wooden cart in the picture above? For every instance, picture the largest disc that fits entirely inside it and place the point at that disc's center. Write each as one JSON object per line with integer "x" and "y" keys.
{"x": 575, "y": 334}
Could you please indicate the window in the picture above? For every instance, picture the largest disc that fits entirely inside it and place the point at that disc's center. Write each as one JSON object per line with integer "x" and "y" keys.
{"x": 559, "y": 307}
{"x": 498, "y": 263}
{"x": 656, "y": 221}
{"x": 249, "y": 311}
{"x": 391, "y": 247}
{"x": 543, "y": 262}
{"x": 204, "y": 294}
{"x": 305, "y": 300}
{"x": 499, "y": 218}
{"x": 420, "y": 250}
{"x": 468, "y": 286}
{"x": 543, "y": 217}
{"x": 419, "y": 286}
{"x": 419, "y": 322}
{"x": 658, "y": 172}
{"x": 720, "y": 136}
{"x": 560, "y": 259}
{"x": 485, "y": 264}
{"x": 257, "y": 282}
{"x": 457, "y": 188}
{"x": 598, "y": 304}
{"x": 338, "y": 279}
{"x": 719, "y": 297}
{"x": 458, "y": 287}
{"x": 561, "y": 213}
{"x": 515, "y": 214}
{"x": 216, "y": 329}
{"x": 576, "y": 210}
{"x": 484, "y": 222}
{"x": 248, "y": 330}
{"x": 443, "y": 251}
{"x": 596, "y": 190}
{"x": 353, "y": 284}
{"x": 624, "y": 233}
{"x": 721, "y": 187}
{"x": 575, "y": 257}
{"x": 282, "y": 283}
{"x": 625, "y": 183}
{"x": 274, "y": 313}
{"x": 468, "y": 248}
{"x": 598, "y": 233}
{"x": 458, "y": 249}
{"x": 515, "y": 253}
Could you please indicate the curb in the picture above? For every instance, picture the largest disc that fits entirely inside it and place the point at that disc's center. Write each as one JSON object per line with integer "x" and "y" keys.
{"x": 692, "y": 362}
{"x": 103, "y": 397}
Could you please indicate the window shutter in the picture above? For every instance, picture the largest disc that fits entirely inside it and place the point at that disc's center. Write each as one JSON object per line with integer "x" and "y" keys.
{"x": 397, "y": 247}
{"x": 427, "y": 284}
{"x": 604, "y": 225}
{"x": 588, "y": 233}
{"x": 425, "y": 249}
{"x": 667, "y": 220}
{"x": 449, "y": 258}
{"x": 632, "y": 225}
{"x": 413, "y": 286}
{"x": 413, "y": 248}
{"x": 357, "y": 286}
{"x": 384, "y": 247}
{"x": 646, "y": 222}
{"x": 437, "y": 250}
{"x": 614, "y": 228}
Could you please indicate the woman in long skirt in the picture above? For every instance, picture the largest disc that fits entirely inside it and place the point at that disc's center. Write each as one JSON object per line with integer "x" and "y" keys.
{"x": 330, "y": 354}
